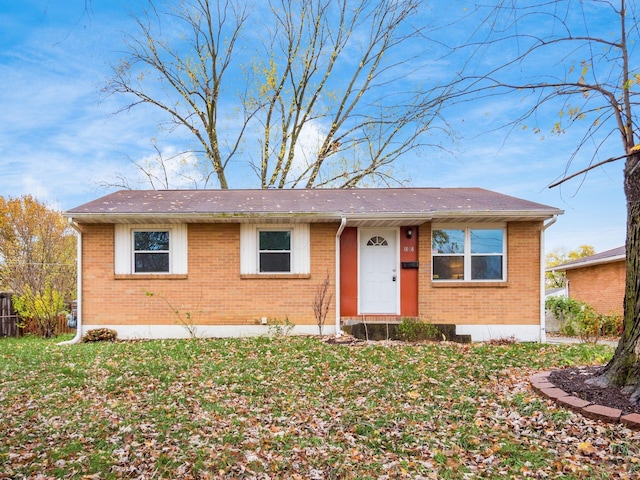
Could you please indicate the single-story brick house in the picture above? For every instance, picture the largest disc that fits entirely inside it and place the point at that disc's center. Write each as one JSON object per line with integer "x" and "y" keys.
{"x": 233, "y": 258}
{"x": 598, "y": 280}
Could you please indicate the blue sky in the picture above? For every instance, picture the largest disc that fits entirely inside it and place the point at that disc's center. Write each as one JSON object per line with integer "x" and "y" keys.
{"x": 61, "y": 141}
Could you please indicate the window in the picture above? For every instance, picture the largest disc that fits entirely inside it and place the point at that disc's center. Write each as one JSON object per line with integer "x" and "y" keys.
{"x": 377, "y": 242}
{"x": 267, "y": 249}
{"x": 151, "y": 251}
{"x": 274, "y": 249}
{"x": 468, "y": 254}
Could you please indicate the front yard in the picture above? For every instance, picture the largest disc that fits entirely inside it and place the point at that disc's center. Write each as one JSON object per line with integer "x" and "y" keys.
{"x": 296, "y": 408}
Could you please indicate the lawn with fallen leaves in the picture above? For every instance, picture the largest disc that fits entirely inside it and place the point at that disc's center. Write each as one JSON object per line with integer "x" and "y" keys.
{"x": 297, "y": 408}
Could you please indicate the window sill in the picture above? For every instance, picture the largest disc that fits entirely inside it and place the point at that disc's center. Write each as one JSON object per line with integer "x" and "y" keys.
{"x": 476, "y": 284}
{"x": 274, "y": 276}
{"x": 151, "y": 276}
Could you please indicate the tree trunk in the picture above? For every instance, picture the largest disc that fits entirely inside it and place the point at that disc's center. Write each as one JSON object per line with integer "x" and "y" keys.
{"x": 624, "y": 367}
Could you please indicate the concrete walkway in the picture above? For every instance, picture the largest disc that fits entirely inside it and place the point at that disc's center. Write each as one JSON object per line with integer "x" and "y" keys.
{"x": 566, "y": 340}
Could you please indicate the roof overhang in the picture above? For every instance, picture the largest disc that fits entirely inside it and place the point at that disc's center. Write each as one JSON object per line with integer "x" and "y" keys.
{"x": 353, "y": 219}
{"x": 588, "y": 263}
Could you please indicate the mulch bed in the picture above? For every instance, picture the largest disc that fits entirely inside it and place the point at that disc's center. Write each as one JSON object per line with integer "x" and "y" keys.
{"x": 573, "y": 381}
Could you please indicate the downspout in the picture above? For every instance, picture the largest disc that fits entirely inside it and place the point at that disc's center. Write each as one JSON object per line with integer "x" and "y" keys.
{"x": 543, "y": 317}
{"x": 343, "y": 223}
{"x": 78, "y": 336}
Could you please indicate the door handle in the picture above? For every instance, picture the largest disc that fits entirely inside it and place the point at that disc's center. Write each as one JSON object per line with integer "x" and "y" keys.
{"x": 395, "y": 277}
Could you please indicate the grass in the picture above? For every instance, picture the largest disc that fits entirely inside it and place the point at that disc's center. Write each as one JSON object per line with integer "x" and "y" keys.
{"x": 295, "y": 408}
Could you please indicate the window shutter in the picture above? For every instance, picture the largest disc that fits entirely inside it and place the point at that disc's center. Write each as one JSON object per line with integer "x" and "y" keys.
{"x": 122, "y": 246}
{"x": 301, "y": 249}
{"x": 300, "y": 245}
{"x": 178, "y": 249}
{"x": 248, "y": 249}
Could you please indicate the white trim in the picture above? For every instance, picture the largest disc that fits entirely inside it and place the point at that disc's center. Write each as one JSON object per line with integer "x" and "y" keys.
{"x": 343, "y": 224}
{"x": 123, "y": 247}
{"x": 588, "y": 263}
{"x": 543, "y": 310}
{"x": 134, "y": 252}
{"x": 485, "y": 333}
{"x": 376, "y": 230}
{"x": 131, "y": 332}
{"x": 467, "y": 255}
{"x": 300, "y": 247}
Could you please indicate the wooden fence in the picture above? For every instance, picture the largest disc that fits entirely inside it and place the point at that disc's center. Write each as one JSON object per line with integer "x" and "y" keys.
{"x": 11, "y": 325}
{"x": 8, "y": 318}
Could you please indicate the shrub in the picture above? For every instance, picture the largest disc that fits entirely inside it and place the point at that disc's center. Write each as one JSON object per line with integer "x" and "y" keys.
{"x": 578, "y": 319}
{"x": 612, "y": 325}
{"x": 100, "y": 335}
{"x": 412, "y": 330}
{"x": 585, "y": 324}
{"x": 279, "y": 328}
{"x": 564, "y": 309}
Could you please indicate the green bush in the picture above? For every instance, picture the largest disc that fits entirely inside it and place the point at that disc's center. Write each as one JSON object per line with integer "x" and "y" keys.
{"x": 578, "y": 319}
{"x": 612, "y": 325}
{"x": 413, "y": 330}
{"x": 100, "y": 335}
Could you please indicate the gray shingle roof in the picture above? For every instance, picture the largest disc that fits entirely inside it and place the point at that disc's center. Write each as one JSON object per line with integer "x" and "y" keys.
{"x": 613, "y": 255}
{"x": 323, "y": 204}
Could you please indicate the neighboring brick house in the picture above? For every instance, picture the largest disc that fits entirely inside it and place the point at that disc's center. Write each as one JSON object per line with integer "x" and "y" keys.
{"x": 598, "y": 280}
{"x": 232, "y": 258}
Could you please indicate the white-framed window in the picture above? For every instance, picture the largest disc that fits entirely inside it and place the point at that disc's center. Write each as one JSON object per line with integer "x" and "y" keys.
{"x": 151, "y": 253}
{"x": 275, "y": 249}
{"x": 150, "y": 249}
{"x": 469, "y": 253}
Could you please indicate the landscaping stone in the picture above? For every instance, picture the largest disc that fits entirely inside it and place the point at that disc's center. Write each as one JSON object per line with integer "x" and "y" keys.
{"x": 632, "y": 420}
{"x": 572, "y": 402}
{"x": 600, "y": 412}
{"x": 553, "y": 393}
{"x": 539, "y": 386}
{"x": 542, "y": 376}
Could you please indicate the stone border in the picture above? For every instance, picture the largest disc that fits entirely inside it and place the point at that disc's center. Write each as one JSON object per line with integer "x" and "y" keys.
{"x": 541, "y": 384}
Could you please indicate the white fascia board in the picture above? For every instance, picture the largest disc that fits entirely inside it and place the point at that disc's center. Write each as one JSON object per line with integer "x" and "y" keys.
{"x": 245, "y": 217}
{"x": 588, "y": 263}
{"x": 504, "y": 214}
{"x": 306, "y": 217}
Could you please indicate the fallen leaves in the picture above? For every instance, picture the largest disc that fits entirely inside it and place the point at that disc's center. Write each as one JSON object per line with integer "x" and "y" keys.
{"x": 296, "y": 408}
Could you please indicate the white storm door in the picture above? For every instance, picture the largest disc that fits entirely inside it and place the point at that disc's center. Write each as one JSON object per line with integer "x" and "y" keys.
{"x": 378, "y": 272}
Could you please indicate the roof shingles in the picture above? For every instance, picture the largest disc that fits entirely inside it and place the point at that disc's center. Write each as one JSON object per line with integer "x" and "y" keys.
{"x": 327, "y": 202}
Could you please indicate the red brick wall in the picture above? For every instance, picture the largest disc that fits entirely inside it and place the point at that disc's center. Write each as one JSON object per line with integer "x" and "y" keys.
{"x": 213, "y": 291}
{"x": 516, "y": 301}
{"x": 601, "y": 286}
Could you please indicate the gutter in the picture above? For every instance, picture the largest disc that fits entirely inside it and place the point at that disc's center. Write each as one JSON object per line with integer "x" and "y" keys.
{"x": 78, "y": 336}
{"x": 588, "y": 263}
{"x": 311, "y": 216}
{"x": 343, "y": 224}
{"x": 543, "y": 317}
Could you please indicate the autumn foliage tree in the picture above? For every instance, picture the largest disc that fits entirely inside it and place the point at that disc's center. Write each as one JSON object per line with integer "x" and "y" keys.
{"x": 37, "y": 259}
{"x": 577, "y": 61}
{"x": 559, "y": 256}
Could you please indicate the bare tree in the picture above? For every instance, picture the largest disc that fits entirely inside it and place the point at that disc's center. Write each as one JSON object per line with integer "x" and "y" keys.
{"x": 312, "y": 93}
{"x": 335, "y": 76}
{"x": 190, "y": 65}
{"x": 578, "y": 58}
{"x": 322, "y": 302}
